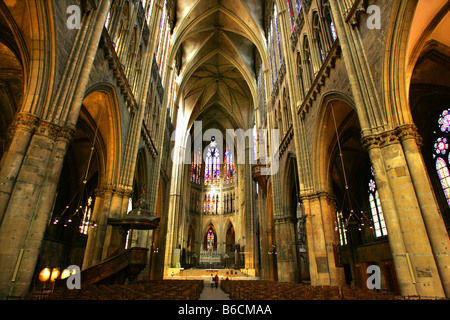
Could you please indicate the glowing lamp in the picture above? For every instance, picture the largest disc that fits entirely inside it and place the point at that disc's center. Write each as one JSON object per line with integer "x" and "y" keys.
{"x": 55, "y": 274}
{"x": 44, "y": 275}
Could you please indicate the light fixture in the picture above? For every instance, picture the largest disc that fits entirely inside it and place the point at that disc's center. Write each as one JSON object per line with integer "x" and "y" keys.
{"x": 65, "y": 274}
{"x": 45, "y": 274}
{"x": 55, "y": 274}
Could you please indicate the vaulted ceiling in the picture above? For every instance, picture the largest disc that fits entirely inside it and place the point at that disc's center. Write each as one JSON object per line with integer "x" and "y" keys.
{"x": 217, "y": 45}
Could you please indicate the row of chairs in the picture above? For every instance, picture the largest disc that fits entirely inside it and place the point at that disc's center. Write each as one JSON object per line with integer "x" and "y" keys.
{"x": 270, "y": 290}
{"x": 152, "y": 290}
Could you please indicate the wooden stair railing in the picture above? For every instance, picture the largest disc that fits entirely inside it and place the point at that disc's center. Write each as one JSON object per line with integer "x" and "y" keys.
{"x": 127, "y": 264}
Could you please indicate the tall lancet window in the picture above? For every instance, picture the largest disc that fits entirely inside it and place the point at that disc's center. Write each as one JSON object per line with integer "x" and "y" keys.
{"x": 228, "y": 166}
{"x": 291, "y": 14}
{"x": 196, "y": 167}
{"x": 212, "y": 164}
{"x": 210, "y": 240}
{"x": 375, "y": 208}
{"x": 441, "y": 153}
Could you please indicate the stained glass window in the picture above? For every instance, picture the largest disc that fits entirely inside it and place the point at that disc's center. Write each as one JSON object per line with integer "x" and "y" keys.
{"x": 269, "y": 44}
{"x": 196, "y": 167}
{"x": 209, "y": 203}
{"x": 275, "y": 71}
{"x": 333, "y": 31}
{"x": 441, "y": 146}
{"x": 330, "y": 24}
{"x": 228, "y": 167}
{"x": 444, "y": 121}
{"x": 210, "y": 240}
{"x": 275, "y": 17}
{"x": 212, "y": 164}
{"x": 291, "y": 13}
{"x": 375, "y": 208}
{"x": 444, "y": 177}
{"x": 299, "y": 5}
{"x": 440, "y": 153}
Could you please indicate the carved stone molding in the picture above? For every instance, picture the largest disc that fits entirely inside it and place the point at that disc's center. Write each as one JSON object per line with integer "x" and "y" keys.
{"x": 354, "y": 14}
{"x": 284, "y": 220}
{"x": 277, "y": 85}
{"x": 113, "y": 191}
{"x": 317, "y": 196}
{"x": 286, "y": 140}
{"x": 409, "y": 132}
{"x": 114, "y": 64}
{"x": 298, "y": 26}
{"x": 320, "y": 79}
{"x": 390, "y": 137}
{"x": 48, "y": 129}
{"x": 66, "y": 134}
{"x": 24, "y": 121}
{"x": 34, "y": 125}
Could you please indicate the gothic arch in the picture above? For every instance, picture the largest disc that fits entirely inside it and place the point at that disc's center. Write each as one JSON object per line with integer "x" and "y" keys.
{"x": 325, "y": 135}
{"x": 210, "y": 226}
{"x": 230, "y": 236}
{"x": 142, "y": 175}
{"x": 291, "y": 184}
{"x": 31, "y": 27}
{"x": 100, "y": 104}
{"x": 407, "y": 36}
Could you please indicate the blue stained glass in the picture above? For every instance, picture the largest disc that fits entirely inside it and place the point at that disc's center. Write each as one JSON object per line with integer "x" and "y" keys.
{"x": 299, "y": 5}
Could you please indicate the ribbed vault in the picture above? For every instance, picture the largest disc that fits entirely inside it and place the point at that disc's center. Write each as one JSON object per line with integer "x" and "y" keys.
{"x": 216, "y": 45}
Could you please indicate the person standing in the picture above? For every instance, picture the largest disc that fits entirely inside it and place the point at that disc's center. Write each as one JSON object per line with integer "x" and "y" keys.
{"x": 211, "y": 280}
{"x": 216, "y": 280}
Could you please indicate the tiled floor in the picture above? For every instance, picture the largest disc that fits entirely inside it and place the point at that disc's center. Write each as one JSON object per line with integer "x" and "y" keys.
{"x": 209, "y": 293}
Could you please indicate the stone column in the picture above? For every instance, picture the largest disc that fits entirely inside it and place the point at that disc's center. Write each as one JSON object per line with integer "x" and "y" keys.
{"x": 410, "y": 245}
{"x": 115, "y": 236}
{"x": 321, "y": 236}
{"x": 434, "y": 224}
{"x": 96, "y": 236}
{"x": 266, "y": 237}
{"x": 286, "y": 257}
{"x": 29, "y": 207}
{"x": 328, "y": 207}
{"x": 21, "y": 132}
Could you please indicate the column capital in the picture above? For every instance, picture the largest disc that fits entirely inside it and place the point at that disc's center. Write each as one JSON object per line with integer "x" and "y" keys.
{"x": 47, "y": 129}
{"x": 380, "y": 140}
{"x": 398, "y": 135}
{"x": 284, "y": 220}
{"x": 24, "y": 121}
{"x": 409, "y": 131}
{"x": 113, "y": 191}
{"x": 318, "y": 195}
{"x": 54, "y": 131}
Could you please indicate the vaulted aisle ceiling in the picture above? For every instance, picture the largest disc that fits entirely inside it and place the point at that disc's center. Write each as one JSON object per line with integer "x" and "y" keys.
{"x": 217, "y": 46}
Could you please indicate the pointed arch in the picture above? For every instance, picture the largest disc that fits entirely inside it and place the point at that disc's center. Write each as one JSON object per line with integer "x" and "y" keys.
{"x": 100, "y": 103}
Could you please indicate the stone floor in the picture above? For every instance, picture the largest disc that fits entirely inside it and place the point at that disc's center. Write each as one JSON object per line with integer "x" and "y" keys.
{"x": 209, "y": 293}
